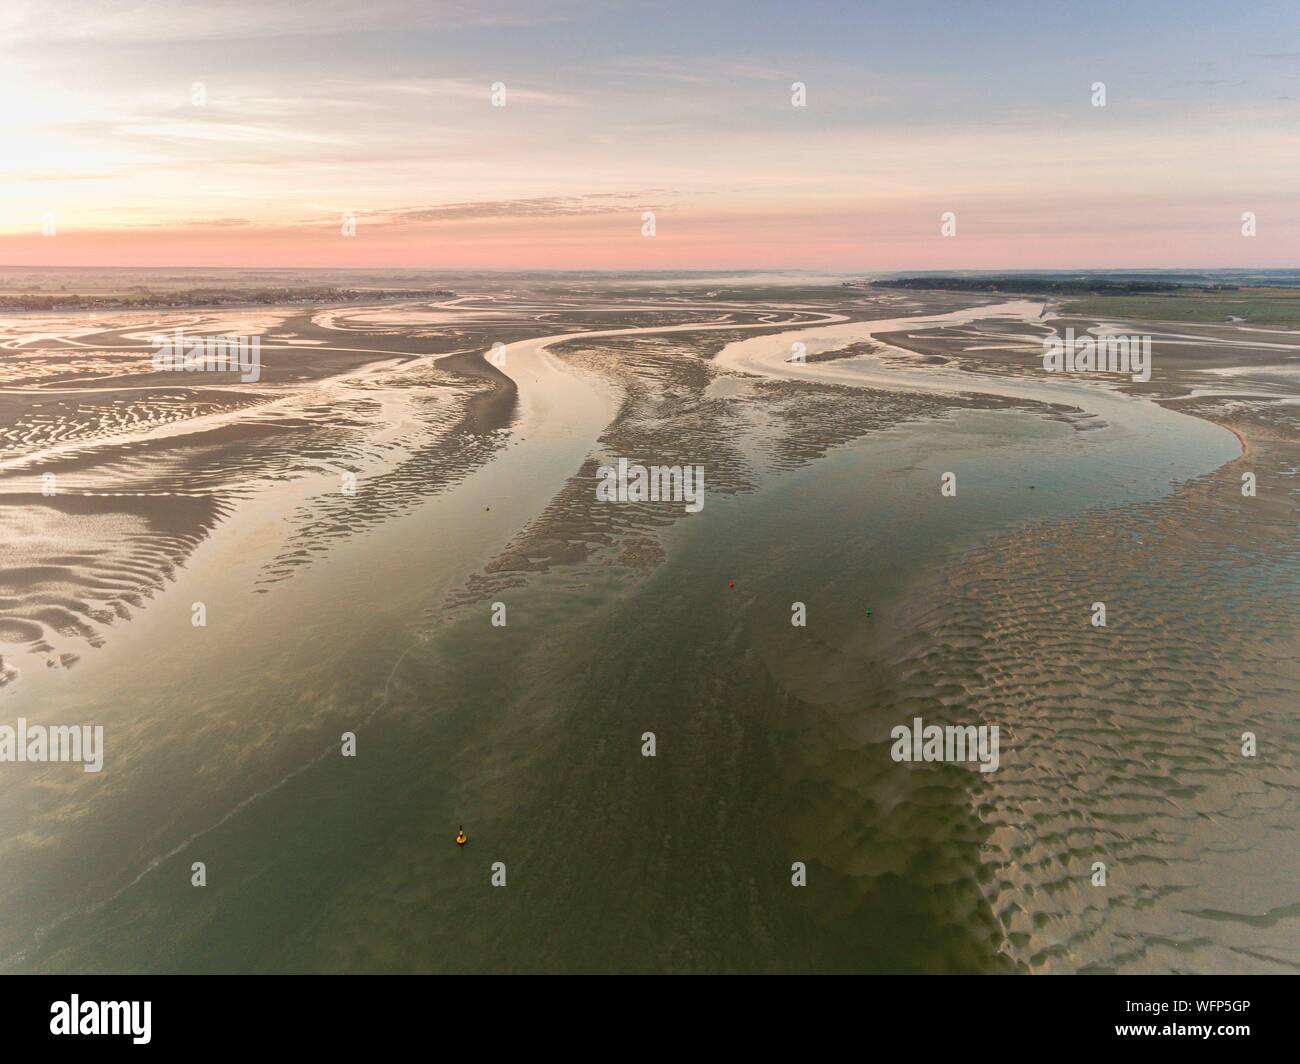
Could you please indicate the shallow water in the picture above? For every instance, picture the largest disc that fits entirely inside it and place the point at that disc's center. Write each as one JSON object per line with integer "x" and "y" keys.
{"x": 769, "y": 736}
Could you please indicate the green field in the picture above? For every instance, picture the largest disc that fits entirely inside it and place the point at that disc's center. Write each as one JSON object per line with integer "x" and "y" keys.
{"x": 1255, "y": 306}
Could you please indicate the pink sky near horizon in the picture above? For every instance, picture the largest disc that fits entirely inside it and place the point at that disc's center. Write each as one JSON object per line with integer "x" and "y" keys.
{"x": 109, "y": 147}
{"x": 692, "y": 239}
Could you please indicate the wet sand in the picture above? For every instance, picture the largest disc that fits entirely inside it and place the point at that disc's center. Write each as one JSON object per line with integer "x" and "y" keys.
{"x": 476, "y": 484}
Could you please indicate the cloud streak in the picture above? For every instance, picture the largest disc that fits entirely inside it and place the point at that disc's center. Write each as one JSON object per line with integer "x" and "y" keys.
{"x": 387, "y": 112}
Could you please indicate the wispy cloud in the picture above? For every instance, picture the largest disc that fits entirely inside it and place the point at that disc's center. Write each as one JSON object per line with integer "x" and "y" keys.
{"x": 37, "y": 21}
{"x": 312, "y": 108}
{"x": 539, "y": 207}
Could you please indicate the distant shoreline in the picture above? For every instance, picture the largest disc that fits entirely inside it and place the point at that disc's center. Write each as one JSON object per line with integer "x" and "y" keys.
{"x": 200, "y": 299}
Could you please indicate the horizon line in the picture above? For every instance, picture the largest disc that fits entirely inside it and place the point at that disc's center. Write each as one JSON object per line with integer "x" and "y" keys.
{"x": 683, "y": 270}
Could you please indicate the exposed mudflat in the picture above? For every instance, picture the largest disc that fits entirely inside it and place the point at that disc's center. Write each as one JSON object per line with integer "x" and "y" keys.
{"x": 353, "y": 521}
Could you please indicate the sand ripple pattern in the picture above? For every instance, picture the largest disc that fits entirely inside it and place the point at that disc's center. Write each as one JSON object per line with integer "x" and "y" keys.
{"x": 1123, "y": 744}
{"x": 672, "y": 413}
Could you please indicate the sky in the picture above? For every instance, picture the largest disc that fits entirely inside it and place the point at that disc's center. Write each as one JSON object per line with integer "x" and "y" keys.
{"x": 248, "y": 132}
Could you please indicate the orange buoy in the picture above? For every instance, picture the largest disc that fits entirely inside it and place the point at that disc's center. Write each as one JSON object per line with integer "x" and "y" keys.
{"x": 461, "y": 837}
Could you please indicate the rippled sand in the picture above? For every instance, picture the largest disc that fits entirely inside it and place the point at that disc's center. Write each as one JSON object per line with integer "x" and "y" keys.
{"x": 475, "y": 484}
{"x": 1123, "y": 744}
